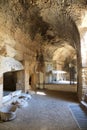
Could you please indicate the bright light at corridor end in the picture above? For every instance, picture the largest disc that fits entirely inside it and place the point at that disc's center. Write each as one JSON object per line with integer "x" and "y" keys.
{"x": 84, "y": 49}
{"x": 84, "y": 19}
{"x": 40, "y": 93}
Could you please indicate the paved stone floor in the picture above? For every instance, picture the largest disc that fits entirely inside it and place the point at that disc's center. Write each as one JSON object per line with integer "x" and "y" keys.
{"x": 47, "y": 110}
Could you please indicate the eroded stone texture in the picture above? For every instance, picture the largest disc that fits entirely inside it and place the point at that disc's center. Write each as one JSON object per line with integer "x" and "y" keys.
{"x": 53, "y": 26}
{"x": 1, "y": 89}
{"x": 53, "y": 23}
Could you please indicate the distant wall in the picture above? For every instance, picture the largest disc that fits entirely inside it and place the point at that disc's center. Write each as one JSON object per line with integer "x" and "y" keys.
{"x": 61, "y": 87}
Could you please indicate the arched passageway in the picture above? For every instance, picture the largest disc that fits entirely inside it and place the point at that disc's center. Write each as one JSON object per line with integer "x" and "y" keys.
{"x": 64, "y": 47}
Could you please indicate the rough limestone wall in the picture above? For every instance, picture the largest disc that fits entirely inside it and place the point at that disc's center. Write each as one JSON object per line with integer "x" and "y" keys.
{"x": 1, "y": 89}
{"x": 15, "y": 41}
{"x": 84, "y": 81}
{"x": 26, "y": 76}
{"x": 20, "y": 80}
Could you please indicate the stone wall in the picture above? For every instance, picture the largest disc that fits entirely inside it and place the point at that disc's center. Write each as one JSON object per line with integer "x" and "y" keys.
{"x": 61, "y": 87}
{"x": 84, "y": 81}
{"x": 20, "y": 80}
{"x": 1, "y": 89}
{"x": 26, "y": 76}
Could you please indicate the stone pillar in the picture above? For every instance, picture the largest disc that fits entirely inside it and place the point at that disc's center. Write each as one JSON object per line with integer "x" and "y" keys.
{"x": 26, "y": 76}
{"x": 23, "y": 78}
{"x": 1, "y": 89}
{"x": 84, "y": 64}
{"x": 20, "y": 81}
{"x": 79, "y": 74}
{"x": 84, "y": 81}
{"x": 27, "y": 87}
{"x": 41, "y": 80}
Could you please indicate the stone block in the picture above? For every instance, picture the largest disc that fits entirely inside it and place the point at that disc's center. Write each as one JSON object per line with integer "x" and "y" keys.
{"x": 10, "y": 51}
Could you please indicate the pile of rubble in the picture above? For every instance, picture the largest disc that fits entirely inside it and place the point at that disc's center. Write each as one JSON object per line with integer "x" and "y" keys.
{"x": 11, "y": 102}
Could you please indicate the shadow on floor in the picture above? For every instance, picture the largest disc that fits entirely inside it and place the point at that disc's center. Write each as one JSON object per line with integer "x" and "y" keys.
{"x": 65, "y": 96}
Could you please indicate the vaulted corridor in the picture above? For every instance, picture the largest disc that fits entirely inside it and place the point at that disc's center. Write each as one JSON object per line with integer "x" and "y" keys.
{"x": 43, "y": 45}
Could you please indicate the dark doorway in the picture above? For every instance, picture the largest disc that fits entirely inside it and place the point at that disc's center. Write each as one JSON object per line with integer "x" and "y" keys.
{"x": 9, "y": 81}
{"x": 30, "y": 80}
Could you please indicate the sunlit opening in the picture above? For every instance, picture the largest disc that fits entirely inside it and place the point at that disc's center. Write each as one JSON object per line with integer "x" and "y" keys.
{"x": 58, "y": 71}
{"x": 40, "y": 93}
{"x": 84, "y": 49}
{"x": 84, "y": 19}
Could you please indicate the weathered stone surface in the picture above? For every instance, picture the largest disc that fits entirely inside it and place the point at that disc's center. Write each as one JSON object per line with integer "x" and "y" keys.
{"x": 52, "y": 26}
{"x": 53, "y": 19}
{"x": 1, "y": 88}
{"x": 9, "y": 64}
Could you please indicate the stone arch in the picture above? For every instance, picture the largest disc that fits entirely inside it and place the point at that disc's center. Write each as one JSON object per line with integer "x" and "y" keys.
{"x": 66, "y": 30}
{"x": 74, "y": 39}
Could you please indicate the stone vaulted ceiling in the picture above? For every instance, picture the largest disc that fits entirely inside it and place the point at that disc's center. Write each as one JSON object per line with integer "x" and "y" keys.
{"x": 54, "y": 26}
